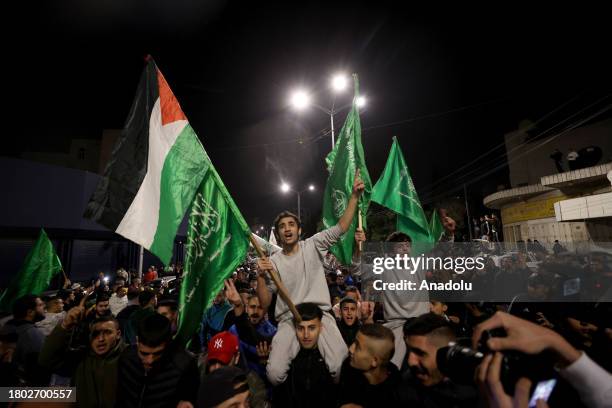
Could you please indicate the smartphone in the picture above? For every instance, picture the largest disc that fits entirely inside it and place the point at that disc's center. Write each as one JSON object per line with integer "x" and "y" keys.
{"x": 542, "y": 391}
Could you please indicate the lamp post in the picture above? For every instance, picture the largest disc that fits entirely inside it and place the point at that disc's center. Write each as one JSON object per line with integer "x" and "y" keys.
{"x": 285, "y": 188}
{"x": 301, "y": 99}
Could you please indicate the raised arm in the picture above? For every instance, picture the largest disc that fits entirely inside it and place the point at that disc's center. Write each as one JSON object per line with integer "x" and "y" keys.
{"x": 263, "y": 293}
{"x": 347, "y": 218}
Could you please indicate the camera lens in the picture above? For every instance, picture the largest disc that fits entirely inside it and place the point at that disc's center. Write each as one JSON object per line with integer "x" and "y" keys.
{"x": 455, "y": 361}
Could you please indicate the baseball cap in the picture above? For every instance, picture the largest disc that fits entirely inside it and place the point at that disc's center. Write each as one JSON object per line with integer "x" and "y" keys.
{"x": 221, "y": 385}
{"x": 222, "y": 347}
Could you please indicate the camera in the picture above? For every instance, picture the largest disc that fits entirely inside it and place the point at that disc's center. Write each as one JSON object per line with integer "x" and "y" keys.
{"x": 459, "y": 361}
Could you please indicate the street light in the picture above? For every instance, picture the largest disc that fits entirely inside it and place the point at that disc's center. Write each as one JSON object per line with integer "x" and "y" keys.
{"x": 300, "y": 100}
{"x": 285, "y": 188}
{"x": 339, "y": 82}
{"x": 360, "y": 102}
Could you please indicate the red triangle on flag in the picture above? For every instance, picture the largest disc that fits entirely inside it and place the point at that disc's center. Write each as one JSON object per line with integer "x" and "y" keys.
{"x": 170, "y": 109}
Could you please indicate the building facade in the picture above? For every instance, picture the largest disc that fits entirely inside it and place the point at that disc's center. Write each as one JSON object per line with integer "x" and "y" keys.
{"x": 545, "y": 204}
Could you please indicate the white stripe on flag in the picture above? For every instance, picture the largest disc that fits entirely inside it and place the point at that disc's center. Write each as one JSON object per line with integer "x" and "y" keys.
{"x": 139, "y": 223}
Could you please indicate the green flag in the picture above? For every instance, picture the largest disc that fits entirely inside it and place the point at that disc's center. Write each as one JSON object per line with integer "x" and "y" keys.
{"x": 344, "y": 159}
{"x": 435, "y": 226}
{"x": 40, "y": 265}
{"x": 217, "y": 242}
{"x": 394, "y": 190}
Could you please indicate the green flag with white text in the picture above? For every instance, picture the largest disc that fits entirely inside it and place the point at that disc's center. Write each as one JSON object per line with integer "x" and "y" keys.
{"x": 436, "y": 229}
{"x": 395, "y": 190}
{"x": 342, "y": 162}
{"x": 217, "y": 242}
{"x": 40, "y": 265}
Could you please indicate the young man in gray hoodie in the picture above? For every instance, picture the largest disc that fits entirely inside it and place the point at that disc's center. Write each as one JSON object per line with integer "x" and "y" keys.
{"x": 300, "y": 267}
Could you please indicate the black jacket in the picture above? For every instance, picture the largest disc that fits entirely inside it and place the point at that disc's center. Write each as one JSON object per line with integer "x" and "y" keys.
{"x": 355, "y": 389}
{"x": 308, "y": 385}
{"x": 173, "y": 378}
{"x": 348, "y": 332}
{"x": 446, "y": 394}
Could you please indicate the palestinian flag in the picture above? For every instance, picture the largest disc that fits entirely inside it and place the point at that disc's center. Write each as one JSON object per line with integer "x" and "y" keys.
{"x": 155, "y": 169}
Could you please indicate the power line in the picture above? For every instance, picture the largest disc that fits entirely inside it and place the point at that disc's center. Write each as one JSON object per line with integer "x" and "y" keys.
{"x": 432, "y": 115}
{"x": 436, "y": 198}
{"x": 326, "y": 131}
{"x": 503, "y": 143}
{"x": 429, "y": 189}
{"x": 302, "y": 140}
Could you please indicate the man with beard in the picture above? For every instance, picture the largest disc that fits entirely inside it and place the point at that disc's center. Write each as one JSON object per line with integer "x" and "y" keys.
{"x": 300, "y": 267}
{"x": 27, "y": 310}
{"x": 102, "y": 307}
{"x": 254, "y": 331}
{"x": 53, "y": 315}
{"x": 94, "y": 370}
{"x": 423, "y": 384}
{"x": 369, "y": 378}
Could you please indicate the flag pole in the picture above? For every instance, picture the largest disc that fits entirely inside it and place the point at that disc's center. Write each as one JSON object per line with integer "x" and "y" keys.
{"x": 467, "y": 209}
{"x": 65, "y": 277}
{"x": 359, "y": 226}
{"x": 140, "y": 261}
{"x": 282, "y": 290}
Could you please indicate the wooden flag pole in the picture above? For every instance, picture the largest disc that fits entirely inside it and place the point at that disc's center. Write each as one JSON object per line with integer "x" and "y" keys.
{"x": 65, "y": 276}
{"x": 360, "y": 227}
{"x": 282, "y": 290}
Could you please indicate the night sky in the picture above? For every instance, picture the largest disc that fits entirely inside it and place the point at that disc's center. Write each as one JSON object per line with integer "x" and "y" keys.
{"x": 448, "y": 82}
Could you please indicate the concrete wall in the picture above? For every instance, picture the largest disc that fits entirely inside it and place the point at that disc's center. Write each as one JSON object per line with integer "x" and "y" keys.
{"x": 530, "y": 161}
{"x": 41, "y": 195}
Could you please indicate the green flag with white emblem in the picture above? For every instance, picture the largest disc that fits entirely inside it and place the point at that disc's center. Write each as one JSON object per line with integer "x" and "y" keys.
{"x": 394, "y": 190}
{"x": 343, "y": 161}
{"x": 217, "y": 242}
{"x": 436, "y": 229}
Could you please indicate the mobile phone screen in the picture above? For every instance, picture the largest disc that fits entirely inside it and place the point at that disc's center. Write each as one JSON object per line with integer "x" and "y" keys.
{"x": 542, "y": 391}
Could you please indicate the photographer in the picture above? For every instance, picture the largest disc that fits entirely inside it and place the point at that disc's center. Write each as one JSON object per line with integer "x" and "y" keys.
{"x": 593, "y": 384}
{"x": 424, "y": 384}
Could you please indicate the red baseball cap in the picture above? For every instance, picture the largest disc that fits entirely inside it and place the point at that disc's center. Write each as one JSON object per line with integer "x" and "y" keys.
{"x": 223, "y": 347}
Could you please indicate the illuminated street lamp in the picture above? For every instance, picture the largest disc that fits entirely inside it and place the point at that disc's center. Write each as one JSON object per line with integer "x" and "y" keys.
{"x": 300, "y": 99}
{"x": 285, "y": 188}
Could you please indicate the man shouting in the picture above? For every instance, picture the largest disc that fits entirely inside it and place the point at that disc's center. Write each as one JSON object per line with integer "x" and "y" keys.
{"x": 300, "y": 267}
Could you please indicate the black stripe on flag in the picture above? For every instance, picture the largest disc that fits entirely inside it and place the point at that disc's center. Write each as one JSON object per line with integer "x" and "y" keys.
{"x": 127, "y": 167}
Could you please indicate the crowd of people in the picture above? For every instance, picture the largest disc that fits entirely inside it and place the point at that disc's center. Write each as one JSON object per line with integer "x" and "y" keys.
{"x": 487, "y": 227}
{"x": 114, "y": 340}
